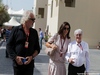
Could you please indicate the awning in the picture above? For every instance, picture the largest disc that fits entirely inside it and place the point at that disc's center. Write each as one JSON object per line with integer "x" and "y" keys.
{"x": 12, "y": 22}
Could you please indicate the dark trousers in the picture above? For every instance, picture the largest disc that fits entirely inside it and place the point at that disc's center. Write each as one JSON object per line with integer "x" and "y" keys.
{"x": 72, "y": 70}
{"x": 7, "y": 54}
{"x": 24, "y": 69}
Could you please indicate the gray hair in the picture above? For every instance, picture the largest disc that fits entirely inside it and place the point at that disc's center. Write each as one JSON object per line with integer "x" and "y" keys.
{"x": 78, "y": 31}
{"x": 25, "y": 16}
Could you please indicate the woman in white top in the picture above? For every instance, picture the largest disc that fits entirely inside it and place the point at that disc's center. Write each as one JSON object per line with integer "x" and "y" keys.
{"x": 57, "y": 57}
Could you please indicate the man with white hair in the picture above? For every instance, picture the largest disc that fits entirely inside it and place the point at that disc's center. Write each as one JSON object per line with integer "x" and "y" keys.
{"x": 78, "y": 55}
{"x": 23, "y": 45}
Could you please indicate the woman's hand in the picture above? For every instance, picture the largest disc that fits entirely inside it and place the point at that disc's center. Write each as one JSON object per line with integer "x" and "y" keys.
{"x": 54, "y": 47}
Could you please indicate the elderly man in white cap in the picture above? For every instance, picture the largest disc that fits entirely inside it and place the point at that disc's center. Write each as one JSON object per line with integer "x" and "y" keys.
{"x": 78, "y": 55}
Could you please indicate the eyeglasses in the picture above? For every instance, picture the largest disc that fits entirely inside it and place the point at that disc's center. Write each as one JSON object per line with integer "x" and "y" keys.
{"x": 66, "y": 28}
{"x": 33, "y": 19}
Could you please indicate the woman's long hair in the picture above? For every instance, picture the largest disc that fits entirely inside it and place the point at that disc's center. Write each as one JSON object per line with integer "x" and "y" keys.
{"x": 60, "y": 31}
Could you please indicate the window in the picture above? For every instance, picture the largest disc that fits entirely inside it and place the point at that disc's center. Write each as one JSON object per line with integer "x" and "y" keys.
{"x": 70, "y": 3}
{"x": 41, "y": 12}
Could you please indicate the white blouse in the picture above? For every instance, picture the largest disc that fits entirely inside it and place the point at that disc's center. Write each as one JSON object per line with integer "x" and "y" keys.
{"x": 57, "y": 41}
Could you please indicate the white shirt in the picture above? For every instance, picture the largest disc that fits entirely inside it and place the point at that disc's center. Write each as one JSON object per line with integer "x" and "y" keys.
{"x": 81, "y": 56}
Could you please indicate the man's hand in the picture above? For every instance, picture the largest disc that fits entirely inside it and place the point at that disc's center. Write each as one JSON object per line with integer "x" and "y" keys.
{"x": 19, "y": 60}
{"x": 29, "y": 59}
{"x": 71, "y": 60}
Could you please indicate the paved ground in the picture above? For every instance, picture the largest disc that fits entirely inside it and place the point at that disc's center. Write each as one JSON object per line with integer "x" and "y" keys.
{"x": 41, "y": 62}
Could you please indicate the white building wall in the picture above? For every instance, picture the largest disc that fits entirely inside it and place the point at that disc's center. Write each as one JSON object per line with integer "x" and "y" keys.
{"x": 40, "y": 22}
{"x": 52, "y": 21}
{"x": 76, "y": 16}
{"x": 93, "y": 22}
{"x": 84, "y": 15}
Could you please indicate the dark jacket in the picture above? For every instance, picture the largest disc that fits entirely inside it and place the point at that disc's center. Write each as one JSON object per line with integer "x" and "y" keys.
{"x": 16, "y": 42}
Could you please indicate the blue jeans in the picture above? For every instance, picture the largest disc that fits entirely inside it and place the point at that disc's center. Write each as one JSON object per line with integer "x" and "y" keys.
{"x": 40, "y": 42}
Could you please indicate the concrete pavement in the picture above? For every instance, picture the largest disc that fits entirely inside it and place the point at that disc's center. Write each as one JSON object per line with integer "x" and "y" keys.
{"x": 41, "y": 62}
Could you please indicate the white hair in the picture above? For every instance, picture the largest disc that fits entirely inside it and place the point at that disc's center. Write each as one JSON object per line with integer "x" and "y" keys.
{"x": 25, "y": 16}
{"x": 78, "y": 31}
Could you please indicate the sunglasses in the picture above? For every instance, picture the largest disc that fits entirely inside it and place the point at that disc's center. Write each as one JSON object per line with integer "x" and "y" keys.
{"x": 33, "y": 19}
{"x": 66, "y": 28}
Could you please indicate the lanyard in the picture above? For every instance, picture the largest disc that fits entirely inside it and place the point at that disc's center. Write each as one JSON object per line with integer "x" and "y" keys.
{"x": 27, "y": 36}
{"x": 62, "y": 44}
{"x": 26, "y": 43}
